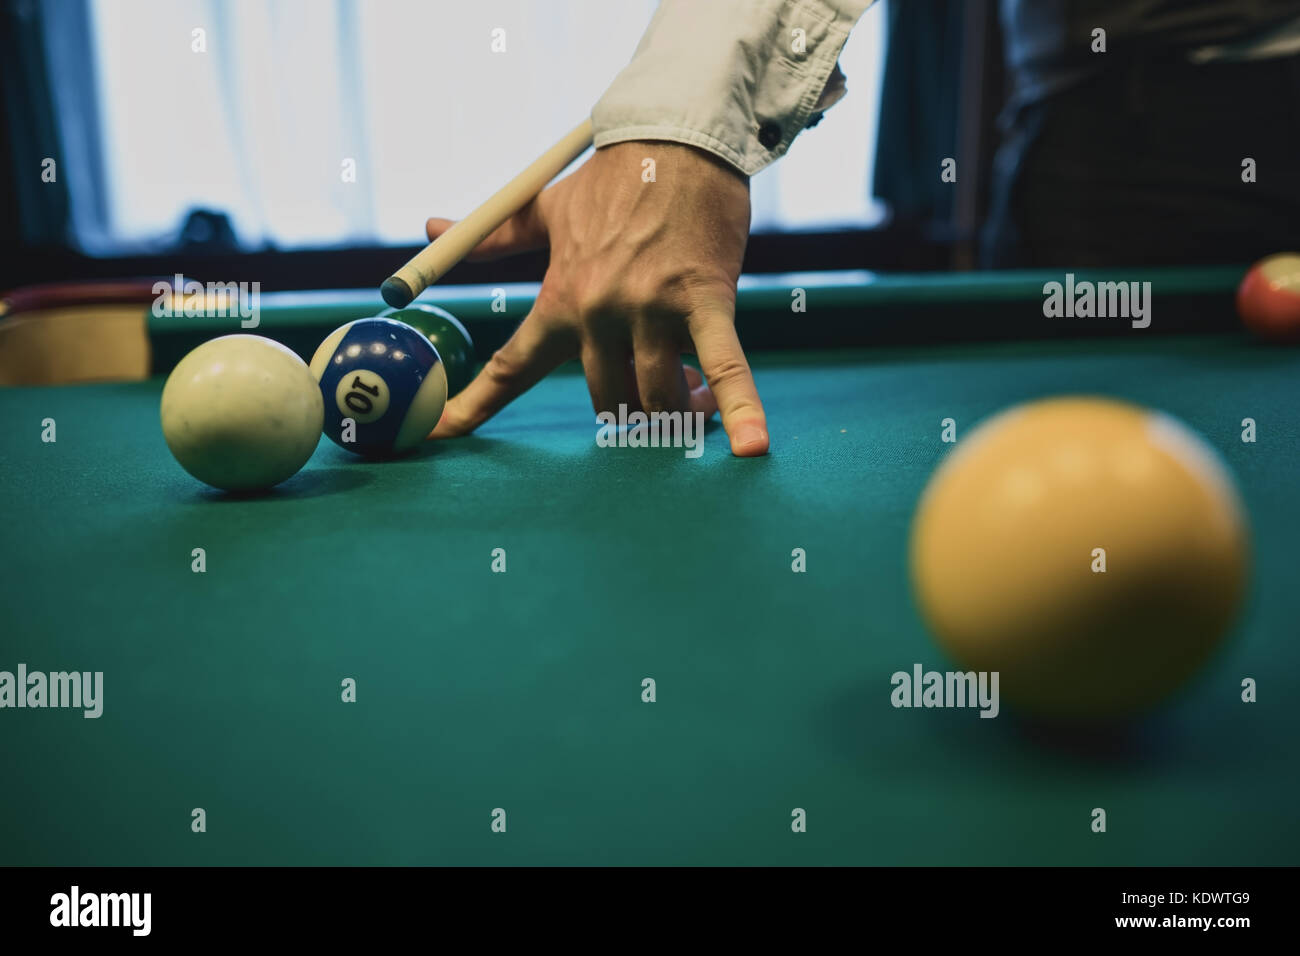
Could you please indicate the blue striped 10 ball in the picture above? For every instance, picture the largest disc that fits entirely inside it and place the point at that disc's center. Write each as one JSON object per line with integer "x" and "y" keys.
{"x": 386, "y": 379}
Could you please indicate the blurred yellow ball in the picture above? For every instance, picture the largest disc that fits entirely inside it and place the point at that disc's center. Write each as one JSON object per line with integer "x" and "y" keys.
{"x": 1005, "y": 543}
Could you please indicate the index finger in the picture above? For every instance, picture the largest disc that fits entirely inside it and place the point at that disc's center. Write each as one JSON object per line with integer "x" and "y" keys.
{"x": 530, "y": 354}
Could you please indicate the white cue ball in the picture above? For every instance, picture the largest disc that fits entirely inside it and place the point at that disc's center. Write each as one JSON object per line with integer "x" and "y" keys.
{"x": 242, "y": 412}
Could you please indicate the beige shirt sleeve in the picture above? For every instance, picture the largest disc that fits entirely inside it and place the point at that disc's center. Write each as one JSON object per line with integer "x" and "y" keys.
{"x": 739, "y": 78}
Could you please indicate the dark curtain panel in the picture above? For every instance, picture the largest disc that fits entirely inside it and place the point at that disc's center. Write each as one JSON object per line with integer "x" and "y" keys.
{"x": 918, "y": 109}
{"x": 51, "y": 113}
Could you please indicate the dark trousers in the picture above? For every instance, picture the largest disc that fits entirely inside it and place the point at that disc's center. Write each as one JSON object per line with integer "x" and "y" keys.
{"x": 1142, "y": 164}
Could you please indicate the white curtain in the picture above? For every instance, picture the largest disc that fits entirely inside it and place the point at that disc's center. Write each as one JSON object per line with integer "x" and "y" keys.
{"x": 258, "y": 108}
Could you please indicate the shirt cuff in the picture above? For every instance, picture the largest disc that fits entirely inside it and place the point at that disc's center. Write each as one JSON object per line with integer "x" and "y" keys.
{"x": 739, "y": 78}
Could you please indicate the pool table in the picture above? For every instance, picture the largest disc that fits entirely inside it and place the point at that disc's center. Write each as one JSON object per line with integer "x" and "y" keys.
{"x": 484, "y": 697}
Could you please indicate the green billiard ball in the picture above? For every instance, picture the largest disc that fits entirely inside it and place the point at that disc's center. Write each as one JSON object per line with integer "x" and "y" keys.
{"x": 455, "y": 347}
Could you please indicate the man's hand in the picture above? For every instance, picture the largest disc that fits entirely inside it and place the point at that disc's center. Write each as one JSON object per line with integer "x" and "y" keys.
{"x": 639, "y": 273}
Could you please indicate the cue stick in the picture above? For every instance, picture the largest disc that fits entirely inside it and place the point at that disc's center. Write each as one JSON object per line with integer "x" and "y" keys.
{"x": 433, "y": 261}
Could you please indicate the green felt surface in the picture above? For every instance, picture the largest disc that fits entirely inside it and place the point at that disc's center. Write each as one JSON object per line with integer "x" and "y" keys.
{"x": 522, "y": 690}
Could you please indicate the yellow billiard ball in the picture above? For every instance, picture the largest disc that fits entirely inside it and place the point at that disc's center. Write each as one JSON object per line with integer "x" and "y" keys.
{"x": 1091, "y": 552}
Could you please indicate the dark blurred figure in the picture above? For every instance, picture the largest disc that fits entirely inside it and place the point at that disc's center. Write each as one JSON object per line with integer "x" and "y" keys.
{"x": 1134, "y": 155}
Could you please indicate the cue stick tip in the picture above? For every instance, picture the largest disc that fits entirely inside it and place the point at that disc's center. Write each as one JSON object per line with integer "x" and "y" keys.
{"x": 396, "y": 292}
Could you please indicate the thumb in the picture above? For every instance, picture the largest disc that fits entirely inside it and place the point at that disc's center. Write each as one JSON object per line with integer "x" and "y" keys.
{"x": 522, "y": 232}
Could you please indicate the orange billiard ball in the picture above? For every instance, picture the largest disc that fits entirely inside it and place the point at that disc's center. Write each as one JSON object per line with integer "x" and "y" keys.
{"x": 1091, "y": 552}
{"x": 1268, "y": 299}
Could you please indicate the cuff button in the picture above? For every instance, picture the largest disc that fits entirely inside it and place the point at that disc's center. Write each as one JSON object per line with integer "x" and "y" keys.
{"x": 769, "y": 135}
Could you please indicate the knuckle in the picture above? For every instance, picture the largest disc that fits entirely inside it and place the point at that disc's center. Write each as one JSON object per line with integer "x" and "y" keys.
{"x": 657, "y": 402}
{"x": 552, "y": 296}
{"x": 597, "y": 298}
{"x": 503, "y": 368}
{"x": 628, "y": 294}
{"x": 656, "y": 397}
{"x": 727, "y": 370}
{"x": 643, "y": 293}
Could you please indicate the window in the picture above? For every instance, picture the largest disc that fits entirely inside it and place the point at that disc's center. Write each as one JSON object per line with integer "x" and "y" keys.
{"x": 258, "y": 109}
